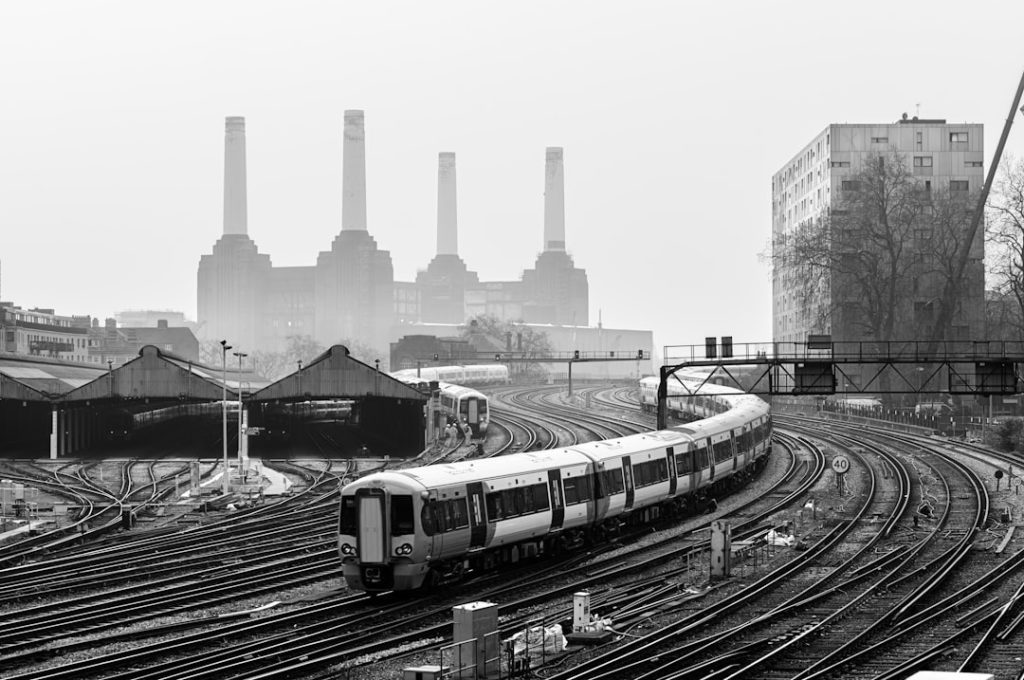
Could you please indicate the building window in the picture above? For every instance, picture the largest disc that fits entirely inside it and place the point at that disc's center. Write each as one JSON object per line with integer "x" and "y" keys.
{"x": 919, "y": 141}
{"x": 879, "y": 140}
{"x": 928, "y": 185}
{"x": 957, "y": 137}
{"x": 840, "y": 164}
{"x": 958, "y": 185}
{"x": 973, "y": 164}
{"x": 922, "y": 161}
{"x": 850, "y": 185}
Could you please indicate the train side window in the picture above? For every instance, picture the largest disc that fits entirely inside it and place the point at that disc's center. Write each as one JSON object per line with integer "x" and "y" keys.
{"x": 540, "y": 497}
{"x": 702, "y": 458}
{"x": 427, "y": 519}
{"x": 527, "y": 494}
{"x": 722, "y": 450}
{"x": 683, "y": 466}
{"x": 459, "y": 515}
{"x": 569, "y": 488}
{"x": 585, "y": 491}
{"x": 612, "y": 481}
{"x": 494, "y": 507}
{"x": 401, "y": 515}
{"x": 518, "y": 501}
{"x": 349, "y": 523}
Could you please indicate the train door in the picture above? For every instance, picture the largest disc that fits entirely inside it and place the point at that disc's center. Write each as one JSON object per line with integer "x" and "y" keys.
{"x": 557, "y": 504}
{"x": 372, "y": 538}
{"x": 436, "y": 541}
{"x": 670, "y": 454}
{"x": 734, "y": 441}
{"x": 477, "y": 520}
{"x": 711, "y": 459}
{"x": 627, "y": 476}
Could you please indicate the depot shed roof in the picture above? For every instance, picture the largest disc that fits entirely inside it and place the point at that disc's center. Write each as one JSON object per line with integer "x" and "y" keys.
{"x": 334, "y": 374}
{"x": 159, "y": 374}
{"x": 33, "y": 378}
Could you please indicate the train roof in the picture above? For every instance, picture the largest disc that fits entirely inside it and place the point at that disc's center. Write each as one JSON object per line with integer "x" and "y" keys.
{"x": 460, "y": 391}
{"x": 432, "y": 476}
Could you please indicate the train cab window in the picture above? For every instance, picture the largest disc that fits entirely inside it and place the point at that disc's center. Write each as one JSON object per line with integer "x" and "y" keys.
{"x": 427, "y": 518}
{"x": 481, "y": 406}
{"x": 401, "y": 515}
{"x": 349, "y": 521}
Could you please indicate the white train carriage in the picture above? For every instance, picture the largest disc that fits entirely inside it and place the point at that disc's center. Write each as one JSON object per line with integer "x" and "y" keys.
{"x": 688, "y": 399}
{"x": 458, "y": 403}
{"x": 397, "y": 527}
{"x": 472, "y": 374}
{"x": 466, "y": 405}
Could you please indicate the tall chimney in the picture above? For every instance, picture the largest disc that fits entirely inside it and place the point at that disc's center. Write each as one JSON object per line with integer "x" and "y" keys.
{"x": 554, "y": 200}
{"x": 235, "y": 210}
{"x": 353, "y": 179}
{"x": 447, "y": 214}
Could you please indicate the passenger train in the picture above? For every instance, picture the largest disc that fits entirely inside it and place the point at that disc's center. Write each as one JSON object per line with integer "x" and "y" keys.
{"x": 404, "y": 529}
{"x": 458, "y": 402}
{"x": 481, "y": 374}
{"x": 689, "y": 398}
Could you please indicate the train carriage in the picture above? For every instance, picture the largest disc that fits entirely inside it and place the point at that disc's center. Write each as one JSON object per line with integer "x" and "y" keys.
{"x": 459, "y": 403}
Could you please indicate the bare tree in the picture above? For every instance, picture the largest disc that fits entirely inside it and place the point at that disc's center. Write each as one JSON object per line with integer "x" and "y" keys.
{"x": 944, "y": 307}
{"x": 527, "y": 342}
{"x": 1005, "y": 234}
{"x": 851, "y": 268}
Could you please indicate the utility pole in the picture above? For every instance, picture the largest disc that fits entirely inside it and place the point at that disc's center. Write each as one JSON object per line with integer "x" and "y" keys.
{"x": 224, "y": 347}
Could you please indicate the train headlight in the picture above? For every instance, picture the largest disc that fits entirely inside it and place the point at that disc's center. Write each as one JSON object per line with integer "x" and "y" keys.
{"x": 347, "y": 549}
{"x": 404, "y": 549}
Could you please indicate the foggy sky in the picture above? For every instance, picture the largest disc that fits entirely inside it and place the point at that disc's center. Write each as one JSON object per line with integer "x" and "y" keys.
{"x": 673, "y": 117}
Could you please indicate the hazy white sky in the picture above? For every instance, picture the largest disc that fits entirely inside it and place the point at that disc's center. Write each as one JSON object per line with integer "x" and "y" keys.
{"x": 673, "y": 116}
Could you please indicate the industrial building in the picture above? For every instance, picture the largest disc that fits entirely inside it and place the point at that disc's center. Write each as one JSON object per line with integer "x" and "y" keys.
{"x": 350, "y": 294}
{"x": 941, "y": 158}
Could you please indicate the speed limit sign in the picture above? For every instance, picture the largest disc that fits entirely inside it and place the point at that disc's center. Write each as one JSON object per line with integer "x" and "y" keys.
{"x": 840, "y": 465}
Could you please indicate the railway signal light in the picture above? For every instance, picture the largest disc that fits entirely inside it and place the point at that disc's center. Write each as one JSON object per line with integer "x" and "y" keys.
{"x": 497, "y": 357}
{"x": 639, "y": 354}
{"x": 435, "y": 356}
{"x": 575, "y": 354}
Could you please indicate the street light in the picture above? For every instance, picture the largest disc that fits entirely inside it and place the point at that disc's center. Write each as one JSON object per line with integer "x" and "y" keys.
{"x": 240, "y": 355}
{"x": 224, "y": 347}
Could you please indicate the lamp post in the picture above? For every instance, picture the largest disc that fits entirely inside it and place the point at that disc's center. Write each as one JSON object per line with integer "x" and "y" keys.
{"x": 224, "y": 347}
{"x": 376, "y": 378}
{"x": 240, "y": 355}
